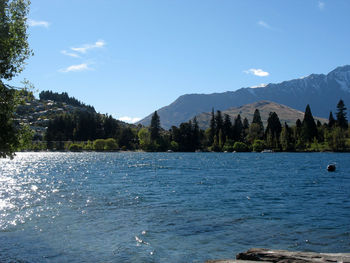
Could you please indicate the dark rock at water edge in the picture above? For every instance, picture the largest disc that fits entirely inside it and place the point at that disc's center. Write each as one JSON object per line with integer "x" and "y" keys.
{"x": 284, "y": 256}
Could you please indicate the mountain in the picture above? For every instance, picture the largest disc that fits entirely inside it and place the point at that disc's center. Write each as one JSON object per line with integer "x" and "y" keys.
{"x": 285, "y": 113}
{"x": 321, "y": 92}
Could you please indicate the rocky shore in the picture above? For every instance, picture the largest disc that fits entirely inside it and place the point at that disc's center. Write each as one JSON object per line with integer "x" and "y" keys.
{"x": 284, "y": 256}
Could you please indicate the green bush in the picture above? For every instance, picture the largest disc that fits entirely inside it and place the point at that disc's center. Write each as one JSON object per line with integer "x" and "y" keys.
{"x": 99, "y": 144}
{"x": 259, "y": 145}
{"x": 240, "y": 147}
{"x": 75, "y": 147}
{"x": 174, "y": 146}
{"x": 227, "y": 148}
{"x": 89, "y": 146}
{"x": 110, "y": 144}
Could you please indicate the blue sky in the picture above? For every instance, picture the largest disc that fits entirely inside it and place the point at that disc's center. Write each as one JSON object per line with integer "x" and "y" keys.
{"x": 129, "y": 58}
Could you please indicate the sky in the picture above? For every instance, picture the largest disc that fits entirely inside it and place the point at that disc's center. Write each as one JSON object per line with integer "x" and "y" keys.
{"x": 130, "y": 58}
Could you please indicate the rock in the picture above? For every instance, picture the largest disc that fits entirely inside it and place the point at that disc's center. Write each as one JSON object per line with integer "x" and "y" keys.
{"x": 284, "y": 256}
{"x": 233, "y": 261}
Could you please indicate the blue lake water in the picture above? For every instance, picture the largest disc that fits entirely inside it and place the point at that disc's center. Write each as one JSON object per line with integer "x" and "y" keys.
{"x": 170, "y": 207}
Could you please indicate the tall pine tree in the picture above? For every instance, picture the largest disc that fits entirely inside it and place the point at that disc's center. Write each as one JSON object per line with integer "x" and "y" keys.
{"x": 342, "y": 122}
{"x": 227, "y": 126}
{"x": 219, "y": 122}
{"x": 331, "y": 120}
{"x": 309, "y": 128}
{"x": 212, "y": 127}
{"x": 257, "y": 120}
{"x": 274, "y": 126}
{"x": 238, "y": 129}
{"x": 155, "y": 127}
{"x": 196, "y": 134}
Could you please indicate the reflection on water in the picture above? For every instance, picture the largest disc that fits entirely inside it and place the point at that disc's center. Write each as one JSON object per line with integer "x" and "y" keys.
{"x": 141, "y": 207}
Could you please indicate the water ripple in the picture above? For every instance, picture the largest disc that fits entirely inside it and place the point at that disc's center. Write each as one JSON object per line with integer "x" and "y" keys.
{"x": 141, "y": 207}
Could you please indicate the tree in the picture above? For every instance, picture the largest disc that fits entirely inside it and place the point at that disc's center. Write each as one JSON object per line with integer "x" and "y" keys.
{"x": 227, "y": 126}
{"x": 14, "y": 47}
{"x": 186, "y": 142}
{"x": 8, "y": 131}
{"x": 245, "y": 128}
{"x": 144, "y": 139}
{"x": 14, "y": 50}
{"x": 238, "y": 129}
{"x": 336, "y": 139}
{"x": 342, "y": 122}
{"x": 273, "y": 131}
{"x": 257, "y": 126}
{"x": 219, "y": 122}
{"x": 212, "y": 127}
{"x": 255, "y": 133}
{"x": 215, "y": 147}
{"x": 285, "y": 138}
{"x": 110, "y": 127}
{"x": 257, "y": 119}
{"x": 331, "y": 120}
{"x": 221, "y": 139}
{"x": 274, "y": 125}
{"x": 196, "y": 134}
{"x": 155, "y": 127}
{"x": 309, "y": 128}
{"x": 127, "y": 138}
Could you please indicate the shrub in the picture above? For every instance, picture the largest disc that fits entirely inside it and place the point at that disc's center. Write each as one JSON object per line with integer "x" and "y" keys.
{"x": 99, "y": 144}
{"x": 174, "y": 146}
{"x": 259, "y": 145}
{"x": 75, "y": 147}
{"x": 227, "y": 148}
{"x": 240, "y": 147}
{"x": 110, "y": 144}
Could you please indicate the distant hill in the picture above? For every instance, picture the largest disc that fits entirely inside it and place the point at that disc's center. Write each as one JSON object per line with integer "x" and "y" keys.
{"x": 38, "y": 112}
{"x": 321, "y": 91}
{"x": 64, "y": 98}
{"x": 285, "y": 113}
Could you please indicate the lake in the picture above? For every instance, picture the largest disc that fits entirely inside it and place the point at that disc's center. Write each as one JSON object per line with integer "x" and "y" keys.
{"x": 170, "y": 207}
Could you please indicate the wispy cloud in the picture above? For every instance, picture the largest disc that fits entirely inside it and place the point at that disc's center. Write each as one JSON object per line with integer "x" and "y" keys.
{"x": 129, "y": 119}
{"x": 264, "y": 25}
{"x": 257, "y": 72}
{"x": 84, "y": 48}
{"x": 79, "y": 52}
{"x": 33, "y": 23}
{"x": 75, "y": 68}
{"x": 321, "y": 5}
{"x": 70, "y": 54}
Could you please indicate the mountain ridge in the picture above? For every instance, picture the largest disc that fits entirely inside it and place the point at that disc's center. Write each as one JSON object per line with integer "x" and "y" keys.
{"x": 320, "y": 91}
{"x": 285, "y": 113}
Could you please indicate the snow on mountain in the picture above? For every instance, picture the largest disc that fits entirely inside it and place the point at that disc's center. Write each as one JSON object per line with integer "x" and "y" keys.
{"x": 321, "y": 92}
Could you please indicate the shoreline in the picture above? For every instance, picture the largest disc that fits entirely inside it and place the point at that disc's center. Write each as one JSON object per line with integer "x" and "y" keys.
{"x": 142, "y": 151}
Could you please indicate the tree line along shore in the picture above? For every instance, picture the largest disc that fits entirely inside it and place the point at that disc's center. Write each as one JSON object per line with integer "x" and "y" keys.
{"x": 88, "y": 131}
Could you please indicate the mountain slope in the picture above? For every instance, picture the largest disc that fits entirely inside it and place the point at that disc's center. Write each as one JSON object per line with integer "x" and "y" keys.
{"x": 321, "y": 91}
{"x": 285, "y": 113}
{"x": 36, "y": 113}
